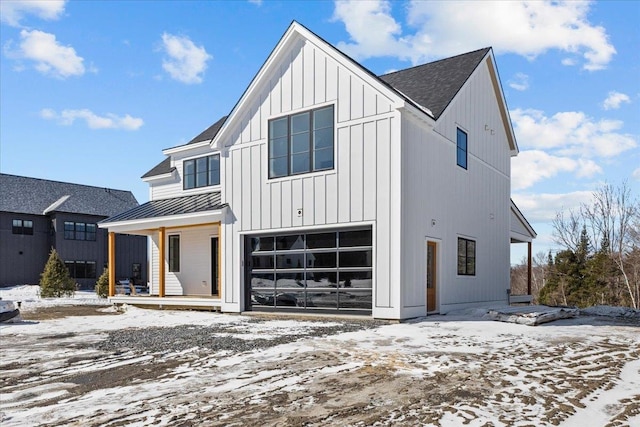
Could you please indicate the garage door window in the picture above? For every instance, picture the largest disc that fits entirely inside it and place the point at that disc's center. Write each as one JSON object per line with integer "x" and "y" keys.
{"x": 328, "y": 270}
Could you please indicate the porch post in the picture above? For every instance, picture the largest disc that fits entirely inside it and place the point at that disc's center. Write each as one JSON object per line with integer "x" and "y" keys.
{"x": 161, "y": 256}
{"x": 529, "y": 268}
{"x": 111, "y": 263}
{"x": 220, "y": 259}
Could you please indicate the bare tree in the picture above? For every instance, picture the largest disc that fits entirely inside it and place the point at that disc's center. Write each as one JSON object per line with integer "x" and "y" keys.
{"x": 613, "y": 219}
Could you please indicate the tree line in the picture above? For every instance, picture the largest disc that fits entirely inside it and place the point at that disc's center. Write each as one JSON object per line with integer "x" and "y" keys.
{"x": 599, "y": 259}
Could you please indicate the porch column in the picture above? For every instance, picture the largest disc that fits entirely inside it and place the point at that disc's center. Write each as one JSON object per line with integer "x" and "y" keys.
{"x": 220, "y": 260}
{"x": 111, "y": 263}
{"x": 529, "y": 268}
{"x": 161, "y": 256}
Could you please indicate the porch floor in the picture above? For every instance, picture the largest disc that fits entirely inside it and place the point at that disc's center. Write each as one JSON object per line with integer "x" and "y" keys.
{"x": 191, "y": 301}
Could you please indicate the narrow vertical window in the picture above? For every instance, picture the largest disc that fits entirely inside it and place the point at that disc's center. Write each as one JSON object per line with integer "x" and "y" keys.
{"x": 91, "y": 232}
{"x": 80, "y": 231}
{"x": 214, "y": 170}
{"x": 17, "y": 226}
{"x": 174, "y": 253}
{"x": 466, "y": 257}
{"x": 189, "y": 174}
{"x": 461, "y": 150}
{"x": 69, "y": 230}
{"x": 27, "y": 227}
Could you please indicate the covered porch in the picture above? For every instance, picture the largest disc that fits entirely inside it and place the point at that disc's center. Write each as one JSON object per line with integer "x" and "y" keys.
{"x": 185, "y": 251}
{"x": 522, "y": 232}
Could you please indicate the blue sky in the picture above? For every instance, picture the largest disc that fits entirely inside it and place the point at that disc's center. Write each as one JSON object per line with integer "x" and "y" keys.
{"x": 92, "y": 91}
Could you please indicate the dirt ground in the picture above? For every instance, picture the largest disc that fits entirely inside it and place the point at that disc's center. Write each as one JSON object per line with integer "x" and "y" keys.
{"x": 321, "y": 382}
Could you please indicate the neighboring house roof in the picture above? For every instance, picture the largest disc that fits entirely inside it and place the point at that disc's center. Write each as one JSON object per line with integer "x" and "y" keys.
{"x": 435, "y": 84}
{"x": 21, "y": 194}
{"x": 206, "y": 135}
{"x": 167, "y": 207}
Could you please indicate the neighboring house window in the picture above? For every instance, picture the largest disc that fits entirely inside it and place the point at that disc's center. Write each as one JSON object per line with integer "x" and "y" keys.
{"x": 466, "y": 257}
{"x": 301, "y": 143}
{"x": 81, "y": 269}
{"x": 79, "y": 231}
{"x": 462, "y": 148}
{"x": 201, "y": 172}
{"x": 20, "y": 226}
{"x": 174, "y": 253}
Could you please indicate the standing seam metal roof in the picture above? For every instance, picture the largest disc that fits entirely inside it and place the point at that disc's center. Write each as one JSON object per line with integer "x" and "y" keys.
{"x": 174, "y": 206}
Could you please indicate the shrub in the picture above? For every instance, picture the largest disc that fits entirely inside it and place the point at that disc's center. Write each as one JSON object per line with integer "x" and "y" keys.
{"x": 55, "y": 280}
{"x": 102, "y": 285}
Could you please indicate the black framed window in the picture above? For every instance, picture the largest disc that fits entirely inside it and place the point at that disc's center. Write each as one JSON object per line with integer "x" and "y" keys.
{"x": 20, "y": 226}
{"x": 466, "y": 257}
{"x": 80, "y": 231}
{"x": 201, "y": 172}
{"x": 81, "y": 269}
{"x": 461, "y": 150}
{"x": 301, "y": 143}
{"x": 174, "y": 253}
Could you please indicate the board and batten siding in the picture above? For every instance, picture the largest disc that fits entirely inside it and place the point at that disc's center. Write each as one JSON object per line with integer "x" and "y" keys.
{"x": 442, "y": 201}
{"x": 361, "y": 189}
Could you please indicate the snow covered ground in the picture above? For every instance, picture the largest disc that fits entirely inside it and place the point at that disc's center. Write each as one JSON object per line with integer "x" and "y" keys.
{"x": 458, "y": 369}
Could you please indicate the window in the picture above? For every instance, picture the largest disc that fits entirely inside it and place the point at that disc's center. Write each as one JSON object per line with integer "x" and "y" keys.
{"x": 301, "y": 143}
{"x": 462, "y": 148}
{"x": 202, "y": 172}
{"x": 466, "y": 257}
{"x": 81, "y": 269}
{"x": 174, "y": 253}
{"x": 20, "y": 226}
{"x": 79, "y": 231}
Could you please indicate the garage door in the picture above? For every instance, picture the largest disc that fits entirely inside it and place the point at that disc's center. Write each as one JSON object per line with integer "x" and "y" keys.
{"x": 328, "y": 270}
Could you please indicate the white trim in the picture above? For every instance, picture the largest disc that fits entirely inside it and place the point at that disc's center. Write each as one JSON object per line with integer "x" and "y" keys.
{"x": 161, "y": 177}
{"x": 185, "y": 147}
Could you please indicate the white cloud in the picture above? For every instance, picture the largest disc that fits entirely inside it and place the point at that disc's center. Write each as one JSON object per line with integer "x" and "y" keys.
{"x": 445, "y": 28}
{"x": 519, "y": 82}
{"x": 93, "y": 121}
{"x": 185, "y": 61}
{"x": 256, "y": 2}
{"x": 50, "y": 57}
{"x": 543, "y": 207}
{"x": 636, "y": 174}
{"x": 571, "y": 133}
{"x": 12, "y": 11}
{"x": 614, "y": 99}
{"x": 532, "y": 166}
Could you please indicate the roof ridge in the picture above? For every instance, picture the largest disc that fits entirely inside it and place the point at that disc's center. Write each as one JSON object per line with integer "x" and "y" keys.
{"x": 436, "y": 61}
{"x": 65, "y": 182}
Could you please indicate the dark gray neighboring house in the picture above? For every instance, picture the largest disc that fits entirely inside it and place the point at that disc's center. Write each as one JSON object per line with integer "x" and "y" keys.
{"x": 37, "y": 215}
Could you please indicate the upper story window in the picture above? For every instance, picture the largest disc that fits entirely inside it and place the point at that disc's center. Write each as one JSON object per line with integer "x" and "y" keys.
{"x": 461, "y": 154}
{"x": 201, "y": 172}
{"x": 466, "y": 257}
{"x": 79, "y": 231}
{"x": 301, "y": 143}
{"x": 20, "y": 226}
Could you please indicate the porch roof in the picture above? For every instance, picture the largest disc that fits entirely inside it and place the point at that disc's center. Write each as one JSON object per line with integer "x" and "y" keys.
{"x": 168, "y": 212}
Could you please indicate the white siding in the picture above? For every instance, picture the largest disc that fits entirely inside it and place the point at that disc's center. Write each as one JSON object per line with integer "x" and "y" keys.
{"x": 348, "y": 194}
{"x": 472, "y": 203}
{"x": 194, "y": 277}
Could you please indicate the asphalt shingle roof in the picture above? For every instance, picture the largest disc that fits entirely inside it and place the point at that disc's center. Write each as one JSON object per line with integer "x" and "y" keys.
{"x": 206, "y": 135}
{"x": 435, "y": 84}
{"x": 21, "y": 194}
{"x": 175, "y": 206}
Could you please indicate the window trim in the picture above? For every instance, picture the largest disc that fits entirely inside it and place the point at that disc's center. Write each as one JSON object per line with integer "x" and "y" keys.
{"x": 460, "y": 150}
{"x": 173, "y": 263}
{"x": 207, "y": 172}
{"x": 466, "y": 257}
{"x": 22, "y": 229}
{"x": 73, "y": 232}
{"x": 311, "y": 149}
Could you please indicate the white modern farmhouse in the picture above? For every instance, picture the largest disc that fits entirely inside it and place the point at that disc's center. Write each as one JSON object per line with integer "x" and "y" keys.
{"x": 330, "y": 188}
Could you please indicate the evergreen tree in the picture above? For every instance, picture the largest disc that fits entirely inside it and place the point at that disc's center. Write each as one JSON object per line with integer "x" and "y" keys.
{"x": 102, "y": 285}
{"x": 55, "y": 280}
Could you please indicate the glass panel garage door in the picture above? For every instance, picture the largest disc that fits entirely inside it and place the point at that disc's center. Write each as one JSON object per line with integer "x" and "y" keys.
{"x": 324, "y": 270}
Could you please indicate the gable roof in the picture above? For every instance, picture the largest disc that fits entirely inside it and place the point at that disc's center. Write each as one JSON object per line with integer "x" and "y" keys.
{"x": 435, "y": 84}
{"x": 21, "y": 194}
{"x": 208, "y": 134}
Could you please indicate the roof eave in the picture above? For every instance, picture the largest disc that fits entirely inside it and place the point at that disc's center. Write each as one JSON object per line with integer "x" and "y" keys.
{"x": 160, "y": 177}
